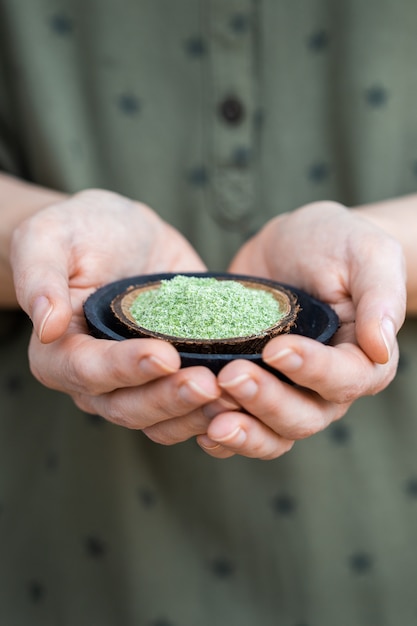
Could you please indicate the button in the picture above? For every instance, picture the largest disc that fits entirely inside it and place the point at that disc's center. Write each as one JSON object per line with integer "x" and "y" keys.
{"x": 231, "y": 110}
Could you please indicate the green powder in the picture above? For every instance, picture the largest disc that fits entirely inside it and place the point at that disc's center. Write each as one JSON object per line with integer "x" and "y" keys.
{"x": 205, "y": 308}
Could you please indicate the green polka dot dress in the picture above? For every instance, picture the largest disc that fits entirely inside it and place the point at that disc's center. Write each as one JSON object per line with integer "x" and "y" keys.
{"x": 219, "y": 114}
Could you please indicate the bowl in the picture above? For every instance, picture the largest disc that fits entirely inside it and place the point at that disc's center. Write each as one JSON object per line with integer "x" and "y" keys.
{"x": 285, "y": 299}
{"x": 313, "y": 318}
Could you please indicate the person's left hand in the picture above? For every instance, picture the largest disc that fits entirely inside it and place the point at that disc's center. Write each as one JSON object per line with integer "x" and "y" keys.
{"x": 339, "y": 257}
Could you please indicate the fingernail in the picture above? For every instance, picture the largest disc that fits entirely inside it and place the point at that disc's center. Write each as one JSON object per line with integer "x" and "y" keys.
{"x": 388, "y": 335}
{"x": 41, "y": 311}
{"x": 190, "y": 391}
{"x": 207, "y": 443}
{"x": 242, "y": 386}
{"x": 221, "y": 405}
{"x": 228, "y": 404}
{"x": 151, "y": 365}
{"x": 237, "y": 437}
{"x": 286, "y": 360}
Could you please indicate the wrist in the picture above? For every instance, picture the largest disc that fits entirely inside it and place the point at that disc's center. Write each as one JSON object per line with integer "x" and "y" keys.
{"x": 18, "y": 201}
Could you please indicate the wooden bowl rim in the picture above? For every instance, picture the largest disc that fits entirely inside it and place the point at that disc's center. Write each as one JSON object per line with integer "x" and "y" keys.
{"x": 284, "y": 296}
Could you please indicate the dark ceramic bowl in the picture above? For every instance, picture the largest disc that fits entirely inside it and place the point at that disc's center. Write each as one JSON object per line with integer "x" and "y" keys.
{"x": 315, "y": 319}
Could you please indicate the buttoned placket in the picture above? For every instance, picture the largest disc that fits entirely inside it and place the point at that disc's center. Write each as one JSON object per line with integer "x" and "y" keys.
{"x": 231, "y": 109}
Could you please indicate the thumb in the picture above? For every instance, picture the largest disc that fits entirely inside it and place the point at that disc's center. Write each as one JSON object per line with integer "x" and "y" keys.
{"x": 42, "y": 289}
{"x": 50, "y": 314}
{"x": 381, "y": 308}
{"x": 376, "y": 329}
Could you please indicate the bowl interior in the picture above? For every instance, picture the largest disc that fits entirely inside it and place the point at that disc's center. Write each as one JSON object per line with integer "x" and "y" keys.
{"x": 287, "y": 305}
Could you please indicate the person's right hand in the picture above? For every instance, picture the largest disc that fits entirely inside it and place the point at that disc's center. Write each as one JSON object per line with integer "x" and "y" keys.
{"x": 59, "y": 257}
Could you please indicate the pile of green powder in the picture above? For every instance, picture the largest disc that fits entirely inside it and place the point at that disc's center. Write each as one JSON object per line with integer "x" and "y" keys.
{"x": 205, "y": 308}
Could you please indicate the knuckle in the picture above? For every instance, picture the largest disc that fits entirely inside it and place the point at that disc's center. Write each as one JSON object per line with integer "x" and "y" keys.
{"x": 39, "y": 374}
{"x": 158, "y": 435}
{"x": 284, "y": 447}
{"x": 287, "y": 445}
{"x": 120, "y": 373}
{"x": 121, "y": 419}
{"x": 80, "y": 374}
{"x": 115, "y": 411}
{"x": 270, "y": 408}
{"x": 350, "y": 391}
{"x": 365, "y": 385}
{"x": 83, "y": 403}
{"x": 349, "y": 394}
{"x": 307, "y": 426}
{"x": 387, "y": 374}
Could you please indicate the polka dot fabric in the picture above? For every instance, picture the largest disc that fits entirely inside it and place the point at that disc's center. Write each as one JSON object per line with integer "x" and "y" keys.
{"x": 219, "y": 114}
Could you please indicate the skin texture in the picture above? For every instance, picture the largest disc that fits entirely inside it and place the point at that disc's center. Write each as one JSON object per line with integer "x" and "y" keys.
{"x": 64, "y": 252}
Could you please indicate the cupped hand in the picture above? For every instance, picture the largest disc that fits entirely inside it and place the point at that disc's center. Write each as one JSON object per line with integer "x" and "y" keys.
{"x": 338, "y": 256}
{"x": 59, "y": 257}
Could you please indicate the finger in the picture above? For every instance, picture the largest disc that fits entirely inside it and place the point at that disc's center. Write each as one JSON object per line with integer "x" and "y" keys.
{"x": 380, "y": 302}
{"x": 377, "y": 327}
{"x": 179, "y": 429}
{"x": 81, "y": 364}
{"x": 165, "y": 398}
{"x": 290, "y": 411}
{"x": 239, "y": 433}
{"x": 41, "y": 287}
{"x": 176, "y": 430}
{"x": 340, "y": 373}
{"x": 212, "y": 448}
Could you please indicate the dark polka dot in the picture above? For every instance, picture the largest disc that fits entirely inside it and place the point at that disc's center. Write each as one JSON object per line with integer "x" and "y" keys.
{"x": 232, "y": 110}
{"x": 13, "y": 384}
{"x": 241, "y": 156}
{"x": 376, "y": 96}
{"x": 198, "y": 176}
{"x": 95, "y": 420}
{"x": 129, "y": 104}
{"x": 239, "y": 23}
{"x": 339, "y": 433}
{"x": 52, "y": 461}
{"x": 222, "y": 568}
{"x": 36, "y": 591}
{"x": 284, "y": 504}
{"x": 61, "y": 24}
{"x": 318, "y": 172}
{"x": 360, "y": 563}
{"x": 318, "y": 41}
{"x": 195, "y": 47}
{"x": 411, "y": 487}
{"x": 95, "y": 547}
{"x": 147, "y": 497}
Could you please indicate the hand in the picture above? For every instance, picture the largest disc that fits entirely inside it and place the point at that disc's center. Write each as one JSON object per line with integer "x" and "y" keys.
{"x": 341, "y": 258}
{"x": 59, "y": 257}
